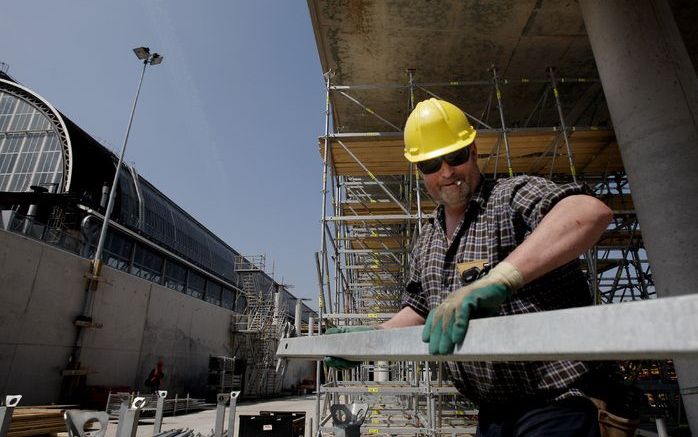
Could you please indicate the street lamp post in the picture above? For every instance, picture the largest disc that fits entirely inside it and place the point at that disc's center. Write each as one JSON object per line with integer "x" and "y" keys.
{"x": 143, "y": 53}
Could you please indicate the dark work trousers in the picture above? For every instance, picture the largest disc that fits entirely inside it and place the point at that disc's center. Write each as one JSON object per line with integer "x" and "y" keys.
{"x": 572, "y": 417}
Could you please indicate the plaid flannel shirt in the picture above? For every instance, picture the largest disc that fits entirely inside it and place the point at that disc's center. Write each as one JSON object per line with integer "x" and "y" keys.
{"x": 499, "y": 217}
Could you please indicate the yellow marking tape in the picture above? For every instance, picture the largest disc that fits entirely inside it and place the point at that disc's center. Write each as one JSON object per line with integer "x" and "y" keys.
{"x": 372, "y": 315}
{"x": 374, "y": 390}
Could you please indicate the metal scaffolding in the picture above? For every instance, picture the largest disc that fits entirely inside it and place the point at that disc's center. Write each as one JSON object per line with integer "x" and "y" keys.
{"x": 256, "y": 332}
{"x": 374, "y": 204}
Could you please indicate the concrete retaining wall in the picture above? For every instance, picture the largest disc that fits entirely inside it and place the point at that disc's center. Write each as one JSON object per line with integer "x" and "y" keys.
{"x": 41, "y": 293}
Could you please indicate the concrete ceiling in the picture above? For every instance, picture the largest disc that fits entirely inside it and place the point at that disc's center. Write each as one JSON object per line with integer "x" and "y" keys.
{"x": 376, "y": 41}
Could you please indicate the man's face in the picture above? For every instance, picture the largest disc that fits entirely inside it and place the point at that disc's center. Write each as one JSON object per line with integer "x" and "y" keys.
{"x": 453, "y": 186}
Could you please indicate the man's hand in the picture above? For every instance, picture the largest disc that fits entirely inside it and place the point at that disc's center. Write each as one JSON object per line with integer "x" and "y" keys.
{"x": 447, "y": 324}
{"x": 341, "y": 363}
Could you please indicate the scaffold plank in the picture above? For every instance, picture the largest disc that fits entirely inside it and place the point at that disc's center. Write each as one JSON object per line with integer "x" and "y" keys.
{"x": 596, "y": 152}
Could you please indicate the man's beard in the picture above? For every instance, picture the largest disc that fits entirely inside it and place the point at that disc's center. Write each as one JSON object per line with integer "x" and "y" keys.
{"x": 455, "y": 196}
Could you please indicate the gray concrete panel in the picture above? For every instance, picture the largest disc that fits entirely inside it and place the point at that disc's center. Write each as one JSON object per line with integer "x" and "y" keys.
{"x": 57, "y": 294}
{"x": 18, "y": 268}
{"x": 35, "y": 372}
{"x": 41, "y": 293}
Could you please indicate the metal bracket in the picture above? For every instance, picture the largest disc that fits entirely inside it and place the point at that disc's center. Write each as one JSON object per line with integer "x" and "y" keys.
{"x": 128, "y": 418}
{"x": 75, "y": 421}
{"x": 221, "y": 400}
{"x": 11, "y": 402}
{"x": 157, "y": 424}
{"x": 231, "y": 415}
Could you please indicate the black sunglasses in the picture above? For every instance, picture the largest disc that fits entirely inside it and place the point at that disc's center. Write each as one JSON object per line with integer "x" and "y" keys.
{"x": 453, "y": 159}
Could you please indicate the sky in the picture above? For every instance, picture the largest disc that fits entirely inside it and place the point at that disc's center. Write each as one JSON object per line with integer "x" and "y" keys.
{"x": 226, "y": 126}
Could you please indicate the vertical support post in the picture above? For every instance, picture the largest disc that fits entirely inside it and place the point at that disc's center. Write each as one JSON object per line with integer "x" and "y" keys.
{"x": 277, "y": 305}
{"x": 231, "y": 414}
{"x": 563, "y": 126}
{"x": 323, "y": 244}
{"x": 651, "y": 89}
{"x": 11, "y": 402}
{"x": 500, "y": 107}
{"x": 221, "y": 400}
{"x": 413, "y": 169}
{"x": 128, "y": 423}
{"x": 157, "y": 424}
{"x": 298, "y": 316}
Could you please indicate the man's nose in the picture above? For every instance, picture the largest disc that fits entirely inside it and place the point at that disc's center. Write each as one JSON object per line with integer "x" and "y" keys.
{"x": 446, "y": 170}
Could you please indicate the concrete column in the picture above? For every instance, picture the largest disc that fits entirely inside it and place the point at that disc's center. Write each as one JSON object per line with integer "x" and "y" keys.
{"x": 652, "y": 94}
{"x": 277, "y": 305}
{"x": 298, "y": 316}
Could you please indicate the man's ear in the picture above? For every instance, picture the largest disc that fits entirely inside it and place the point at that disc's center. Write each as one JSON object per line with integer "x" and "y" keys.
{"x": 473, "y": 151}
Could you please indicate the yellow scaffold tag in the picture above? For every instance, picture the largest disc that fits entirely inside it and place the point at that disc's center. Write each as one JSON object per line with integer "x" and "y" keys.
{"x": 372, "y": 315}
{"x": 373, "y": 431}
{"x": 374, "y": 390}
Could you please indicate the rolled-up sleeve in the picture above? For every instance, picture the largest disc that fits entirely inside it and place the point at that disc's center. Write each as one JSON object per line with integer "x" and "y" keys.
{"x": 533, "y": 197}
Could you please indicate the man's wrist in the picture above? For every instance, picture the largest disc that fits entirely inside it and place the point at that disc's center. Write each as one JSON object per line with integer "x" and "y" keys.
{"x": 507, "y": 273}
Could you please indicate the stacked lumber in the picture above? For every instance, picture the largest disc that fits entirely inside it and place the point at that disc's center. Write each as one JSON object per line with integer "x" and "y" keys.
{"x": 36, "y": 421}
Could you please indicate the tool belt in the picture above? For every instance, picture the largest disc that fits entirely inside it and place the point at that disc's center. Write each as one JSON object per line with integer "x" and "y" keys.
{"x": 611, "y": 425}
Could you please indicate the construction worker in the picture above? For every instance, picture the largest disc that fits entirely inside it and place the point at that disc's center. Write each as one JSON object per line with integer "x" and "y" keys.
{"x": 497, "y": 248}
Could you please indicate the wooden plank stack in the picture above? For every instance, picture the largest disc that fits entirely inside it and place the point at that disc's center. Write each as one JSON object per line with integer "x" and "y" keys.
{"x": 36, "y": 421}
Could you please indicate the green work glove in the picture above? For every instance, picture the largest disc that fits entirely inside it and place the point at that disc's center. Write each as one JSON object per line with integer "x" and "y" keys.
{"x": 447, "y": 324}
{"x": 341, "y": 363}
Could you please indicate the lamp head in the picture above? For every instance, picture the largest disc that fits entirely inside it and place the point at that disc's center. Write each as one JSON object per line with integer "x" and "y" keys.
{"x": 156, "y": 59}
{"x": 142, "y": 53}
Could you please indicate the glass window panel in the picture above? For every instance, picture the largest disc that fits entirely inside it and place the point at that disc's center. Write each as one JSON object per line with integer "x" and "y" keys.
{"x": 28, "y": 155}
{"x": 196, "y": 285}
{"x": 117, "y": 250}
{"x": 228, "y": 298}
{"x": 175, "y": 276}
{"x": 147, "y": 264}
{"x": 213, "y": 293}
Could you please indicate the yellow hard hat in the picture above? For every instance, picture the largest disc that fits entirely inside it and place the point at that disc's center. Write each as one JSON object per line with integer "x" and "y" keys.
{"x": 435, "y": 128}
